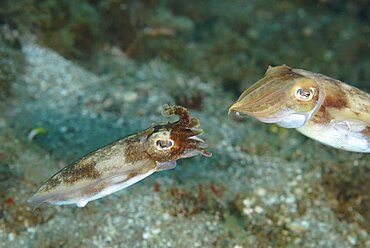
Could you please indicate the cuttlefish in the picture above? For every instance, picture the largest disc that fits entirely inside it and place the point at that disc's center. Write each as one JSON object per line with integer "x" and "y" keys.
{"x": 322, "y": 108}
{"x": 124, "y": 162}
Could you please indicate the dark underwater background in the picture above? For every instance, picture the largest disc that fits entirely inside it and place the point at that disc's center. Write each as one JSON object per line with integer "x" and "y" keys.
{"x": 77, "y": 75}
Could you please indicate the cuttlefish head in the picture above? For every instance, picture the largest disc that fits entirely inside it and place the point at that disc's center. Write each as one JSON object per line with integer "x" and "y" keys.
{"x": 282, "y": 96}
{"x": 177, "y": 140}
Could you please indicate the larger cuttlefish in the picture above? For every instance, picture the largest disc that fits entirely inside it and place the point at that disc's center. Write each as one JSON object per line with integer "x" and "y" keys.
{"x": 320, "y": 107}
{"x": 124, "y": 162}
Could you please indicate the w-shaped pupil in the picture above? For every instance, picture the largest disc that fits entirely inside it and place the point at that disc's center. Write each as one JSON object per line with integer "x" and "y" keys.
{"x": 164, "y": 144}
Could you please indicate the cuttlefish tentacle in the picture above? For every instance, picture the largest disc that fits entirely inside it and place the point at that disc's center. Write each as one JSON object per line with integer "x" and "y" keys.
{"x": 320, "y": 107}
{"x": 124, "y": 162}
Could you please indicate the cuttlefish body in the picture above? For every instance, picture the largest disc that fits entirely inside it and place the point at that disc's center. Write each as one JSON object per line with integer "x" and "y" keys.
{"x": 320, "y": 107}
{"x": 124, "y": 162}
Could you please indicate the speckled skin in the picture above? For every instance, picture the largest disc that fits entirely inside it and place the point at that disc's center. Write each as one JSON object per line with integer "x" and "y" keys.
{"x": 331, "y": 111}
{"x": 124, "y": 162}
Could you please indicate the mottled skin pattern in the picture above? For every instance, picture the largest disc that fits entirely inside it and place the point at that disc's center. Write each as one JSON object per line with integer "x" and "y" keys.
{"x": 320, "y": 107}
{"x": 124, "y": 162}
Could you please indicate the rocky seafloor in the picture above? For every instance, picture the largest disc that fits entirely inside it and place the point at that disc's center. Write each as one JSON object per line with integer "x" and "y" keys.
{"x": 264, "y": 186}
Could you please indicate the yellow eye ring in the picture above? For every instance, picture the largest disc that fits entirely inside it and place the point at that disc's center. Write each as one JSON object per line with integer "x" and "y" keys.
{"x": 303, "y": 95}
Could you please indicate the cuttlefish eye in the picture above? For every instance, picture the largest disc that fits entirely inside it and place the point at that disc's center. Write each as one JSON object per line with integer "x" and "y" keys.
{"x": 164, "y": 144}
{"x": 305, "y": 95}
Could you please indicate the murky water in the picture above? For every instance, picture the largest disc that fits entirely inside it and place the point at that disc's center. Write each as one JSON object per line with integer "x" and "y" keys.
{"x": 87, "y": 73}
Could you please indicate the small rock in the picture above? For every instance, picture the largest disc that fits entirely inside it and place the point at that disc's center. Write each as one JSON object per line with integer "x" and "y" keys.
{"x": 248, "y": 202}
{"x": 11, "y": 236}
{"x": 258, "y": 209}
{"x": 299, "y": 227}
{"x": 146, "y": 235}
{"x": 166, "y": 216}
{"x": 352, "y": 240}
{"x": 261, "y": 192}
{"x": 130, "y": 96}
{"x": 248, "y": 211}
